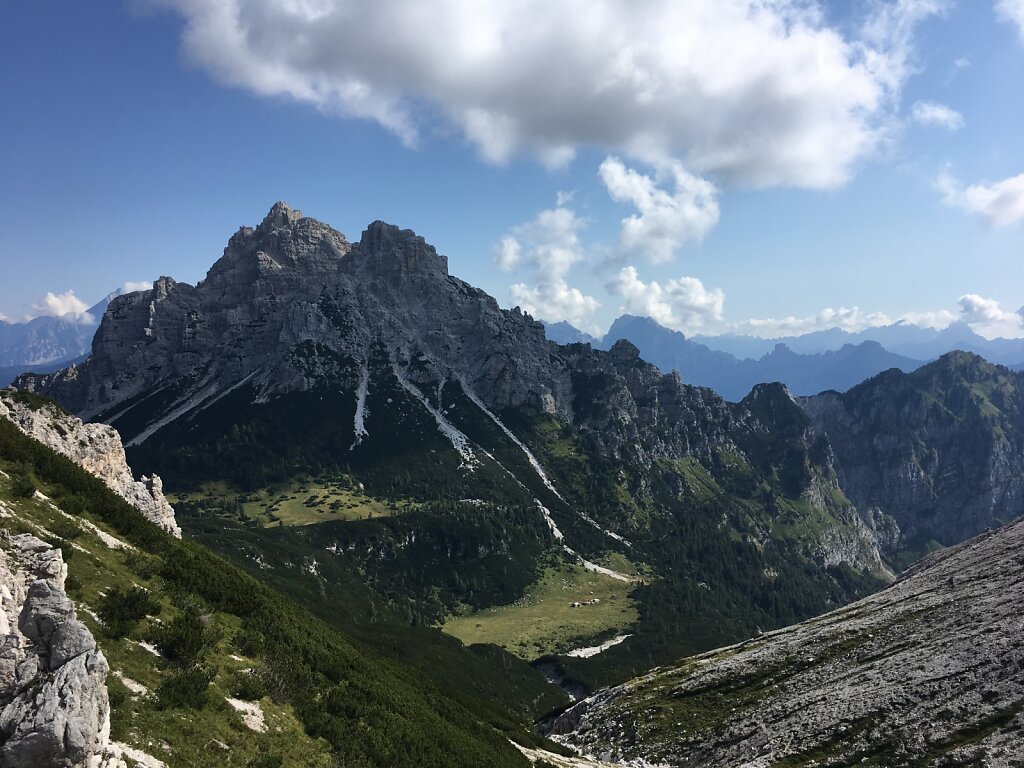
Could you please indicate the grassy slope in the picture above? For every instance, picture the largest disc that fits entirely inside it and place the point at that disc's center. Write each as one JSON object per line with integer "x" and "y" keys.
{"x": 543, "y": 622}
{"x": 328, "y": 692}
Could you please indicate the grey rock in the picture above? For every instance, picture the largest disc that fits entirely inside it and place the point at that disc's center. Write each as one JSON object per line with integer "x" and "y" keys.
{"x": 930, "y": 671}
{"x": 53, "y": 698}
{"x": 96, "y": 448}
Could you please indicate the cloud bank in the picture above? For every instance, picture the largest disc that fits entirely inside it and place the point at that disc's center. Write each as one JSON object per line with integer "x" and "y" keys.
{"x": 757, "y": 92}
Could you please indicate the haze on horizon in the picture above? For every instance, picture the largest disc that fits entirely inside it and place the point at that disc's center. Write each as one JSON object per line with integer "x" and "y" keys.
{"x": 747, "y": 167}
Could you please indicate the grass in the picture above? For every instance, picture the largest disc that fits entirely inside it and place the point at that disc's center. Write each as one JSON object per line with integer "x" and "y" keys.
{"x": 212, "y": 736}
{"x": 304, "y": 502}
{"x": 543, "y": 621}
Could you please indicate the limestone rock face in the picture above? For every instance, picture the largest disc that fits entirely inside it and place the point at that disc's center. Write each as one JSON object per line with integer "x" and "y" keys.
{"x": 96, "y": 448}
{"x": 291, "y": 303}
{"x": 940, "y": 450}
{"x": 52, "y": 676}
{"x": 927, "y": 672}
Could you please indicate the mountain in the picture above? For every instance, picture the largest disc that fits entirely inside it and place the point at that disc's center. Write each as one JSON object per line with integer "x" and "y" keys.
{"x": 384, "y": 444}
{"x": 900, "y": 338}
{"x": 124, "y": 645}
{"x": 563, "y": 333}
{"x": 804, "y": 374}
{"x": 46, "y": 344}
{"x": 940, "y": 450}
{"x": 924, "y": 673}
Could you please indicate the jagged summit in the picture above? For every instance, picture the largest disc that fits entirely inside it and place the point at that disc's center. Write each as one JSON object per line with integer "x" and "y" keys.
{"x": 398, "y": 250}
{"x": 280, "y": 215}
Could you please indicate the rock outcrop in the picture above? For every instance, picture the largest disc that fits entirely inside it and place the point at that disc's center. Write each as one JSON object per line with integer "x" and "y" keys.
{"x": 96, "y": 448}
{"x": 940, "y": 450}
{"x": 53, "y": 697}
{"x": 930, "y": 671}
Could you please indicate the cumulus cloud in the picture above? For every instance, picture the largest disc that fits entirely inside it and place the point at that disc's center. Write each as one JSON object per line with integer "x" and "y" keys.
{"x": 548, "y": 246}
{"x": 136, "y": 285}
{"x": 65, "y": 305}
{"x": 753, "y": 91}
{"x": 933, "y": 113}
{"x": 681, "y": 303}
{"x": 988, "y": 318}
{"x": 1002, "y": 202}
{"x": 665, "y": 219}
{"x": 1012, "y": 12}
{"x": 555, "y": 301}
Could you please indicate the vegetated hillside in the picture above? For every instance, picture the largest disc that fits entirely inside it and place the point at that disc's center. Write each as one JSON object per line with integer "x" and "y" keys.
{"x": 925, "y": 673}
{"x": 380, "y": 440}
{"x": 733, "y": 378}
{"x": 940, "y": 450}
{"x": 184, "y": 631}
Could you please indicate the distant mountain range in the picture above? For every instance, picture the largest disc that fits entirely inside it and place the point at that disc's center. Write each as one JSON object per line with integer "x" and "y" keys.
{"x": 901, "y": 338}
{"x": 381, "y": 440}
{"x": 45, "y": 344}
{"x": 808, "y": 364}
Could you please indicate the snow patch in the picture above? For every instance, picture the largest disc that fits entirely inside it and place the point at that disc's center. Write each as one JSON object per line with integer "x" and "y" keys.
{"x": 359, "y": 421}
{"x": 458, "y": 439}
{"x": 179, "y": 409}
{"x": 511, "y": 436}
{"x": 586, "y": 653}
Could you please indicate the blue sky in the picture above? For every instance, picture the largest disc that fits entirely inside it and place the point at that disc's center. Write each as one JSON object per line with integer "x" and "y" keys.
{"x": 780, "y": 170}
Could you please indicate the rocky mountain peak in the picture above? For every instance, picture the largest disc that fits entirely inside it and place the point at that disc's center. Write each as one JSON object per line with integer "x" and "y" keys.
{"x": 392, "y": 250}
{"x": 280, "y": 215}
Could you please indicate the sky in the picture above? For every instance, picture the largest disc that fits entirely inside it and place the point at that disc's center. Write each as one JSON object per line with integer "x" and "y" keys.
{"x": 748, "y": 166}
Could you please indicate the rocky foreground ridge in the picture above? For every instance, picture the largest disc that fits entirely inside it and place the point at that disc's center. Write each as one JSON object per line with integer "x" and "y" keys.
{"x": 53, "y": 692}
{"x": 96, "y": 448}
{"x": 928, "y": 672}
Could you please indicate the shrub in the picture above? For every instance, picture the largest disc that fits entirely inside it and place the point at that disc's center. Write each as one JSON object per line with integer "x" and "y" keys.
{"x": 248, "y": 686}
{"x": 22, "y": 485}
{"x": 185, "y": 689}
{"x": 121, "y": 609}
{"x": 183, "y": 639}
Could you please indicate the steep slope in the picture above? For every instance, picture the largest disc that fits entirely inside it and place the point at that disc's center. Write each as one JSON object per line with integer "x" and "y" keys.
{"x": 925, "y": 673}
{"x": 210, "y": 666}
{"x": 94, "y": 447}
{"x": 940, "y": 450}
{"x": 482, "y": 457}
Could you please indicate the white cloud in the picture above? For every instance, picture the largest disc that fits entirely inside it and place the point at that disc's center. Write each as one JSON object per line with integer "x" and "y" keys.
{"x": 682, "y": 303}
{"x": 987, "y": 318}
{"x": 933, "y": 113}
{"x": 136, "y": 285}
{"x": 666, "y": 219}
{"x": 1002, "y": 202}
{"x": 1012, "y": 11}
{"x": 761, "y": 92}
{"x": 548, "y": 246}
{"x": 555, "y": 301}
{"x": 851, "y": 319}
{"x": 65, "y": 305}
